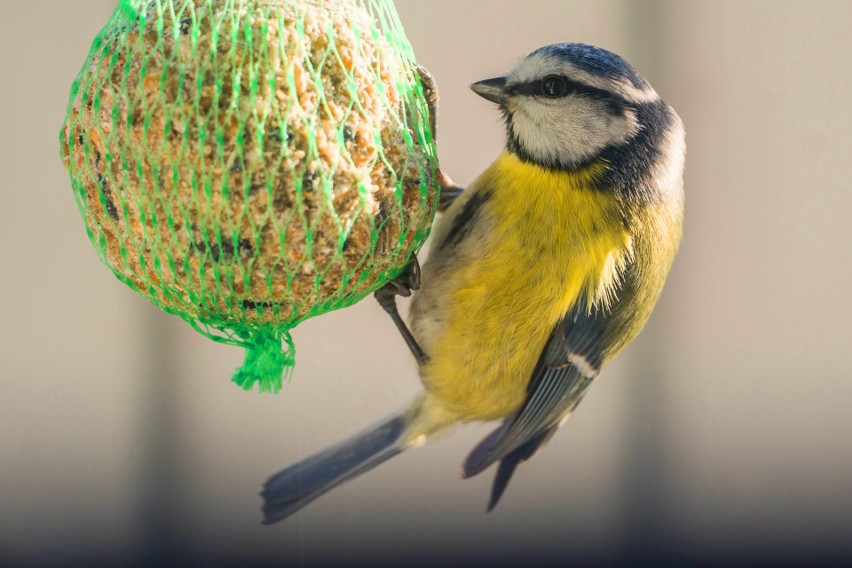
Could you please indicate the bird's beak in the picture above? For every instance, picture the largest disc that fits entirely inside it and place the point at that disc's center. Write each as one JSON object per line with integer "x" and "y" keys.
{"x": 492, "y": 89}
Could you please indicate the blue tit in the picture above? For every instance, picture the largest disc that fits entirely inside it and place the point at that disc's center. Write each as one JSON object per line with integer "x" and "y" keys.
{"x": 541, "y": 271}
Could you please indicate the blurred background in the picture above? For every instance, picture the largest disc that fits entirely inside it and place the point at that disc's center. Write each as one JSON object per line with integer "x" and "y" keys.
{"x": 722, "y": 434}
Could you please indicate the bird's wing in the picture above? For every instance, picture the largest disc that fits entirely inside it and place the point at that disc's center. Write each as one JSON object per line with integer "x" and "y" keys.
{"x": 566, "y": 367}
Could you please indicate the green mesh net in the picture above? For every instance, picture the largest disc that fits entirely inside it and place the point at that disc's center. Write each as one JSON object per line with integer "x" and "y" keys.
{"x": 248, "y": 164}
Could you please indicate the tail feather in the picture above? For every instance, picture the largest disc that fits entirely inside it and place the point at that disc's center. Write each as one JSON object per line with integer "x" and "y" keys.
{"x": 298, "y": 485}
{"x": 509, "y": 463}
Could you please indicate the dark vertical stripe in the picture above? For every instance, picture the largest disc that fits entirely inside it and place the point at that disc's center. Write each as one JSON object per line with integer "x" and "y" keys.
{"x": 463, "y": 222}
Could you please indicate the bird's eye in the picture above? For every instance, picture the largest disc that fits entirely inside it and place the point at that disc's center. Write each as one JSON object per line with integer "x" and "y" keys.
{"x": 554, "y": 86}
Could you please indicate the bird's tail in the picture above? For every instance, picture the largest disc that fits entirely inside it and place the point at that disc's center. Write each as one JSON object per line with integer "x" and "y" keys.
{"x": 295, "y": 487}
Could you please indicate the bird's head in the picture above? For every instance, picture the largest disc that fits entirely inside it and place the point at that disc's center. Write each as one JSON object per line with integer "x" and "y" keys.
{"x": 565, "y": 103}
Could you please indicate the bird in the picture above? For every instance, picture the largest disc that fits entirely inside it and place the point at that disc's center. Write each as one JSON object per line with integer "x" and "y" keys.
{"x": 540, "y": 271}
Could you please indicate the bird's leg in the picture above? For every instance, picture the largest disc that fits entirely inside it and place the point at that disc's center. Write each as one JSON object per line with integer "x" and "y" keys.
{"x": 402, "y": 285}
{"x": 449, "y": 190}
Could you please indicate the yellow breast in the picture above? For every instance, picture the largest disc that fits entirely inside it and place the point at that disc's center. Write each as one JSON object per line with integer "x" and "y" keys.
{"x": 545, "y": 240}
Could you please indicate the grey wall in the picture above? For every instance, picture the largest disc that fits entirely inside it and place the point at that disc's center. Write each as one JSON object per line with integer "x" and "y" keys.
{"x": 721, "y": 433}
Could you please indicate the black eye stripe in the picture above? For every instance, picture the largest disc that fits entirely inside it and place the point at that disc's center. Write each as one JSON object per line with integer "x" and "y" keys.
{"x": 533, "y": 89}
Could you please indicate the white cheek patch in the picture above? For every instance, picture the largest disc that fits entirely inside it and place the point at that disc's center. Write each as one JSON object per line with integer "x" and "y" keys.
{"x": 572, "y": 129}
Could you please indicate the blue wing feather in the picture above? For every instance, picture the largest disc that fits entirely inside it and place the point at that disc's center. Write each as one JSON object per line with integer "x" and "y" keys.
{"x": 555, "y": 388}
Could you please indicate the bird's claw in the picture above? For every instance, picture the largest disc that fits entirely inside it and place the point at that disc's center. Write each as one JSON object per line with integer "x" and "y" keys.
{"x": 404, "y": 284}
